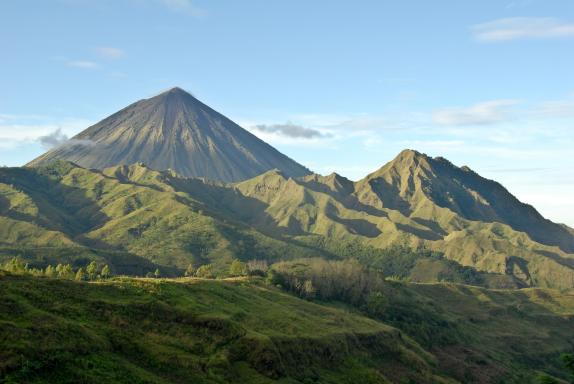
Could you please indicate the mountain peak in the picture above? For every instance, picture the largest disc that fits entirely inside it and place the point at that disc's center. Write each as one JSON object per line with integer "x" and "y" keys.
{"x": 175, "y": 94}
{"x": 174, "y": 130}
{"x": 174, "y": 91}
{"x": 409, "y": 155}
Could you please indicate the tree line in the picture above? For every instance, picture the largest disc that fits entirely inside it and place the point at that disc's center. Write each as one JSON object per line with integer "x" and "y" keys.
{"x": 60, "y": 271}
{"x": 237, "y": 268}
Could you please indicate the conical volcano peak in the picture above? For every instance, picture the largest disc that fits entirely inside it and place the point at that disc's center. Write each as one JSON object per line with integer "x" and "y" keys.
{"x": 174, "y": 130}
{"x": 177, "y": 90}
{"x": 175, "y": 94}
{"x": 174, "y": 91}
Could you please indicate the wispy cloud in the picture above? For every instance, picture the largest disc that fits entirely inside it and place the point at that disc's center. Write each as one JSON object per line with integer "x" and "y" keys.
{"x": 488, "y": 112}
{"x": 58, "y": 139}
{"x": 291, "y": 130}
{"x": 16, "y": 131}
{"x": 83, "y": 64}
{"x": 514, "y": 28}
{"x": 555, "y": 109}
{"x": 111, "y": 53}
{"x": 53, "y": 139}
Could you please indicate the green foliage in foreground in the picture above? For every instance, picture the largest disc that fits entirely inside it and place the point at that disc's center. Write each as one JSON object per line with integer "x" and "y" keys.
{"x": 478, "y": 335}
{"x": 200, "y": 331}
{"x": 248, "y": 331}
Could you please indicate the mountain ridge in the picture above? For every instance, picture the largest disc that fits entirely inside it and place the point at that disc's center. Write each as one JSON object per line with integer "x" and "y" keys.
{"x": 172, "y": 220}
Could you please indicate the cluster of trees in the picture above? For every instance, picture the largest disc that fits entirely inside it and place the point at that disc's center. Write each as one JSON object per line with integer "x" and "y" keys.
{"x": 61, "y": 271}
{"x": 347, "y": 280}
{"x": 237, "y": 268}
{"x": 398, "y": 260}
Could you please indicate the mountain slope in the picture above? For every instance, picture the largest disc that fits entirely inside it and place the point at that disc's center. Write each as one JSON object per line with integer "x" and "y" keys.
{"x": 128, "y": 213}
{"x": 175, "y": 131}
{"x": 418, "y": 186}
{"x": 133, "y": 330}
{"x": 146, "y": 331}
{"x": 379, "y": 214}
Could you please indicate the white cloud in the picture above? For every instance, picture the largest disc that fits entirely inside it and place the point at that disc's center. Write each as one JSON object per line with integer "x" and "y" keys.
{"x": 110, "y": 52}
{"x": 522, "y": 28}
{"x": 84, "y": 64}
{"x": 488, "y": 112}
{"x": 53, "y": 139}
{"x": 22, "y": 130}
{"x": 59, "y": 139}
{"x": 555, "y": 109}
{"x": 291, "y": 130}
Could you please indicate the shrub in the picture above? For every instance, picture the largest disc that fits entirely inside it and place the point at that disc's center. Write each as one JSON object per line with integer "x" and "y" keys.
{"x": 205, "y": 271}
{"x": 238, "y": 268}
{"x": 190, "y": 271}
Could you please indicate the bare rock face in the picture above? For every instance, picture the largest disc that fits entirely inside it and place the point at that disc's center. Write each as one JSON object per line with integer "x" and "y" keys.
{"x": 174, "y": 131}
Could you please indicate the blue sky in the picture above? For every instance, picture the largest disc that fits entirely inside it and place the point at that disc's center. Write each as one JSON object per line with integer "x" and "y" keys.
{"x": 337, "y": 85}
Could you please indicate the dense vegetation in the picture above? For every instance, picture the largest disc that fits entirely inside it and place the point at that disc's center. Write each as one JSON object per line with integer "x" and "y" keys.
{"x": 145, "y": 328}
{"x": 201, "y": 331}
{"x": 479, "y": 335}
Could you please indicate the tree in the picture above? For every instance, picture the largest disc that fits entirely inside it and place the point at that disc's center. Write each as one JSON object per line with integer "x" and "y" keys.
{"x": 65, "y": 271}
{"x": 190, "y": 271}
{"x": 238, "y": 268}
{"x": 105, "y": 272}
{"x": 92, "y": 270}
{"x": 15, "y": 265}
{"x": 308, "y": 289}
{"x": 275, "y": 278}
{"x": 157, "y": 273}
{"x": 205, "y": 271}
{"x": 50, "y": 271}
{"x": 257, "y": 267}
{"x": 80, "y": 274}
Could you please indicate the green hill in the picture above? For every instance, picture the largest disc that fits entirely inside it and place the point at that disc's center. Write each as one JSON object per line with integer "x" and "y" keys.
{"x": 146, "y": 331}
{"x": 138, "y": 219}
{"x": 244, "y": 331}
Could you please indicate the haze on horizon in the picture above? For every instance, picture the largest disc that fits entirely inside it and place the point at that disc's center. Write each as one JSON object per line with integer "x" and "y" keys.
{"x": 335, "y": 86}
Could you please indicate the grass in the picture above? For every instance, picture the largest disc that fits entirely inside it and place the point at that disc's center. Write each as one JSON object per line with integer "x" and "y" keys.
{"x": 241, "y": 330}
{"x": 191, "y": 330}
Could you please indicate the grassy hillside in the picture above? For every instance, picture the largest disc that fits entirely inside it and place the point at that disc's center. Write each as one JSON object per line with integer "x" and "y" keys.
{"x": 244, "y": 331}
{"x": 477, "y": 335}
{"x": 121, "y": 213}
{"x": 128, "y": 213}
{"x": 156, "y": 331}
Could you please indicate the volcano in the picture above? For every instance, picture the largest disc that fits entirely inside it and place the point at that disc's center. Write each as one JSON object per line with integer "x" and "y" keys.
{"x": 174, "y": 130}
